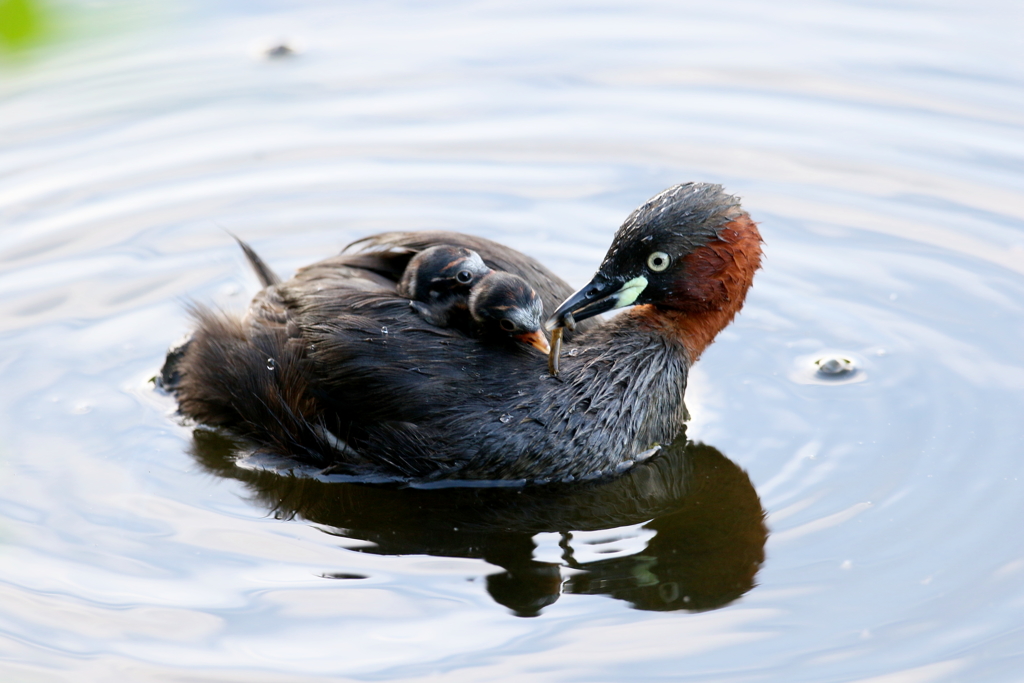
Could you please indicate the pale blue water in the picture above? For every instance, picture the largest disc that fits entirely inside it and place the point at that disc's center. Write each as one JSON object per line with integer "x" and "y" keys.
{"x": 879, "y": 145}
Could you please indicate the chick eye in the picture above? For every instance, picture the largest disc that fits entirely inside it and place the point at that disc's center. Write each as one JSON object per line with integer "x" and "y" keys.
{"x": 507, "y": 325}
{"x": 658, "y": 261}
{"x": 464, "y": 276}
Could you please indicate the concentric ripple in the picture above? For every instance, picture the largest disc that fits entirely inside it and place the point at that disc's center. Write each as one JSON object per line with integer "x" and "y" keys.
{"x": 880, "y": 149}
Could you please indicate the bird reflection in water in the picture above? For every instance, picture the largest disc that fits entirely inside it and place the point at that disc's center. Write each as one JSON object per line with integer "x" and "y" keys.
{"x": 707, "y": 521}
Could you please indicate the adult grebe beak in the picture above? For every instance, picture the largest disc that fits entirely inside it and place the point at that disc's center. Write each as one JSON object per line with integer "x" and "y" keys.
{"x": 601, "y": 294}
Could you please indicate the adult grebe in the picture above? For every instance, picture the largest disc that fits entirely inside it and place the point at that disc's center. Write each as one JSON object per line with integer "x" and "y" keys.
{"x": 334, "y": 368}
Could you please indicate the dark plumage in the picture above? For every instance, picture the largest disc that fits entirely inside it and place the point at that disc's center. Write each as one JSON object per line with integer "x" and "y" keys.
{"x": 439, "y": 279}
{"x": 504, "y": 307}
{"x": 334, "y": 367}
{"x": 452, "y": 287}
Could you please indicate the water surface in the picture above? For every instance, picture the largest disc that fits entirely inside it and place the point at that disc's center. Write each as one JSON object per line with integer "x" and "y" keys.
{"x": 880, "y": 147}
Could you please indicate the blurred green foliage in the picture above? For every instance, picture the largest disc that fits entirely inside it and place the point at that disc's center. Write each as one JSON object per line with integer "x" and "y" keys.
{"x": 22, "y": 23}
{"x": 31, "y": 30}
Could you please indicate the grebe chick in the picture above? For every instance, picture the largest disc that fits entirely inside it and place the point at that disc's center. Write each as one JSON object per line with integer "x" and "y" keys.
{"x": 503, "y": 307}
{"x": 438, "y": 280}
{"x": 452, "y": 287}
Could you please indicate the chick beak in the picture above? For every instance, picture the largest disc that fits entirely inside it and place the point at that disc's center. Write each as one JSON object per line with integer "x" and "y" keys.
{"x": 536, "y": 340}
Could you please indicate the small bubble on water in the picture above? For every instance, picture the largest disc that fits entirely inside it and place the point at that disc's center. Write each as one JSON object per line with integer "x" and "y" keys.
{"x": 271, "y": 364}
{"x": 384, "y": 329}
{"x": 572, "y": 352}
{"x": 505, "y": 418}
{"x": 833, "y": 366}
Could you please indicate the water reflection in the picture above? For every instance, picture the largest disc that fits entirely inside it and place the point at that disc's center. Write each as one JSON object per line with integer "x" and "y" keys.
{"x": 700, "y": 515}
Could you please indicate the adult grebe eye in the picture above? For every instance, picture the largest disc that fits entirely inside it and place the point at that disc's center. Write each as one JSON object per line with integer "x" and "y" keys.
{"x": 507, "y": 325}
{"x": 658, "y": 261}
{"x": 464, "y": 276}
